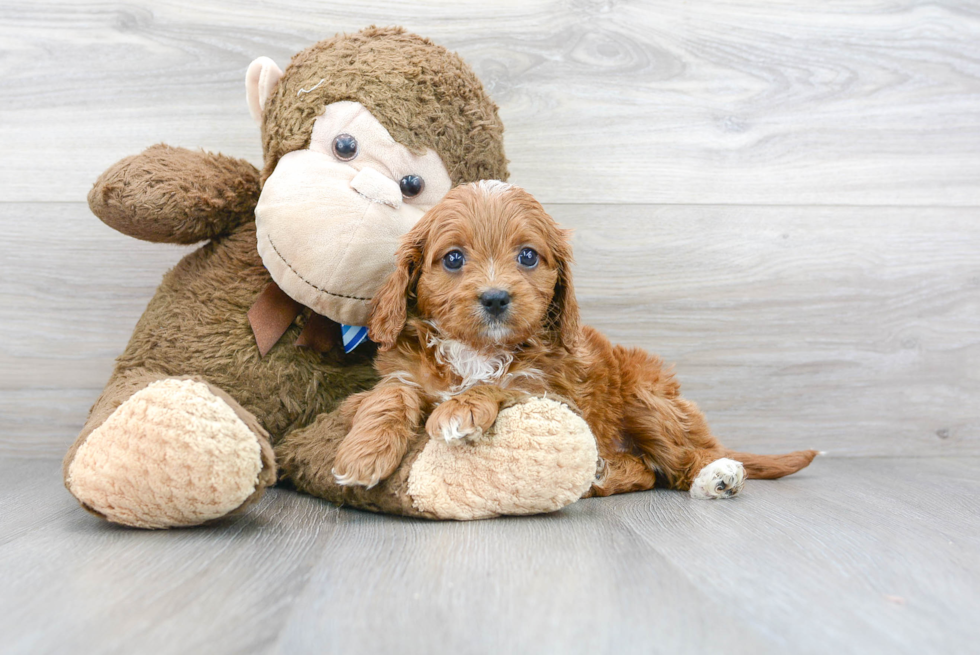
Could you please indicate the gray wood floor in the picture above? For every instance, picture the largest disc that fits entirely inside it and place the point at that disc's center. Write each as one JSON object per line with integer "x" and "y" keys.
{"x": 863, "y": 555}
{"x": 781, "y": 198}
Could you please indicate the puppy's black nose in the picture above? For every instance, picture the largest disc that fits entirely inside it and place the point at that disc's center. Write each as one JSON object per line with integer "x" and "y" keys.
{"x": 495, "y": 301}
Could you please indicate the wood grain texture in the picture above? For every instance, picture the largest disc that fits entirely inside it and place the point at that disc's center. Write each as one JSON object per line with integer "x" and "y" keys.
{"x": 842, "y": 329}
{"x": 780, "y": 198}
{"x": 724, "y": 101}
{"x": 861, "y": 555}
{"x": 852, "y": 330}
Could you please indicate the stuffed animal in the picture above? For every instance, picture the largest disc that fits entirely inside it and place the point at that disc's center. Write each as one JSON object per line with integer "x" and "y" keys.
{"x": 234, "y": 371}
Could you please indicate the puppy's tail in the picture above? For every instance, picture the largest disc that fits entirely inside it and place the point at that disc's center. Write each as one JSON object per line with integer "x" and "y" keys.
{"x": 770, "y": 467}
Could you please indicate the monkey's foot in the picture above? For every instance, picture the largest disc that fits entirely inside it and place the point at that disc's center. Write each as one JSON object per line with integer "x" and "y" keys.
{"x": 174, "y": 454}
{"x": 538, "y": 456}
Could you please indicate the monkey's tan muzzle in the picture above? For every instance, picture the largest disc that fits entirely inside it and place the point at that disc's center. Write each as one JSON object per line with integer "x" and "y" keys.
{"x": 327, "y": 243}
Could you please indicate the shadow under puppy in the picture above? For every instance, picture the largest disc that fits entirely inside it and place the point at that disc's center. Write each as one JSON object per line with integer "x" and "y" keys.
{"x": 479, "y": 314}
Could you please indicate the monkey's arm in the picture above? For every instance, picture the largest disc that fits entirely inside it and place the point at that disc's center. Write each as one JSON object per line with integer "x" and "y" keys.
{"x": 175, "y": 195}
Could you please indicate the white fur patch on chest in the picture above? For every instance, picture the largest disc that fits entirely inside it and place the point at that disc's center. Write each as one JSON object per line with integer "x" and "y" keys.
{"x": 470, "y": 365}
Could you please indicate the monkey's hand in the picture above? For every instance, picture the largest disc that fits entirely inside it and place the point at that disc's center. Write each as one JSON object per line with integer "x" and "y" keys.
{"x": 175, "y": 195}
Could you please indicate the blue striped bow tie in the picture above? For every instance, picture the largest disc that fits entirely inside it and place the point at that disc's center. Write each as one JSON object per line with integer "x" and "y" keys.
{"x": 354, "y": 335}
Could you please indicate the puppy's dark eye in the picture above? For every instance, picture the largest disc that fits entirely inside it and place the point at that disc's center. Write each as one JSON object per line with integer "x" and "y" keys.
{"x": 411, "y": 185}
{"x": 344, "y": 147}
{"x": 453, "y": 260}
{"x": 528, "y": 258}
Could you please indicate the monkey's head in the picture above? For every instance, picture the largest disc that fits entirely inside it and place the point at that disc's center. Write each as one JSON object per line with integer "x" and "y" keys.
{"x": 361, "y": 134}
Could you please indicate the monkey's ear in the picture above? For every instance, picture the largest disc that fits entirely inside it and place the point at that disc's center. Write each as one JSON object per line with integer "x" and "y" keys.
{"x": 389, "y": 307}
{"x": 260, "y": 80}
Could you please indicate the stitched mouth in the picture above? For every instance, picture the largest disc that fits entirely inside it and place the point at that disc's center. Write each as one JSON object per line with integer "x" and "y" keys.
{"x": 307, "y": 282}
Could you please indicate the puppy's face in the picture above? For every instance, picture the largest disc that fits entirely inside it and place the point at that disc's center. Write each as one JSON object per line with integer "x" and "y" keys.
{"x": 487, "y": 266}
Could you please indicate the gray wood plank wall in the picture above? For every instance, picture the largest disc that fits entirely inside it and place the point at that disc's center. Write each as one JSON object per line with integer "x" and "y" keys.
{"x": 780, "y": 198}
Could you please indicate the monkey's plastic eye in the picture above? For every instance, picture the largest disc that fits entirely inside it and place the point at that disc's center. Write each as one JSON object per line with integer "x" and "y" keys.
{"x": 453, "y": 260}
{"x": 344, "y": 147}
{"x": 411, "y": 185}
{"x": 528, "y": 258}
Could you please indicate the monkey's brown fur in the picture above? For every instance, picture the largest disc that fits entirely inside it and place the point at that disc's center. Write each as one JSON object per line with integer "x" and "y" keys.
{"x": 422, "y": 94}
{"x": 196, "y": 323}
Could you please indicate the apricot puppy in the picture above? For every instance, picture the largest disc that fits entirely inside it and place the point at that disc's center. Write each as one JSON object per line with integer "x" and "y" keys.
{"x": 479, "y": 314}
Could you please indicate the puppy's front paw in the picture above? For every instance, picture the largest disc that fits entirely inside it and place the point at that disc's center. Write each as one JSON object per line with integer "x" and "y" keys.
{"x": 364, "y": 461}
{"x": 457, "y": 419}
{"x": 722, "y": 478}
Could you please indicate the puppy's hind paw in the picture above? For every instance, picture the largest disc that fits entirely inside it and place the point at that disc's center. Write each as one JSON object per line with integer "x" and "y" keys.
{"x": 722, "y": 478}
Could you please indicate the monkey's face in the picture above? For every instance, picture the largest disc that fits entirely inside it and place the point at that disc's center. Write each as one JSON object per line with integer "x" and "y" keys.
{"x": 330, "y": 217}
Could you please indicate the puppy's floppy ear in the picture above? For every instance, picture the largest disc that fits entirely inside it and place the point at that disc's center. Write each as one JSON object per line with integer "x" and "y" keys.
{"x": 563, "y": 315}
{"x": 389, "y": 307}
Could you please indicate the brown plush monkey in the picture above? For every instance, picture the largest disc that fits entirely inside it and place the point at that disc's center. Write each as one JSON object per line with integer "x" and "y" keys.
{"x": 242, "y": 347}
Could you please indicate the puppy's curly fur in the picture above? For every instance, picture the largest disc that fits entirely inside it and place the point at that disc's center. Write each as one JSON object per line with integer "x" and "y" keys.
{"x": 481, "y": 313}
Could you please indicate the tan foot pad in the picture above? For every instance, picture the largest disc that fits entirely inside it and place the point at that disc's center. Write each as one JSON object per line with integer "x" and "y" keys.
{"x": 173, "y": 454}
{"x": 538, "y": 457}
